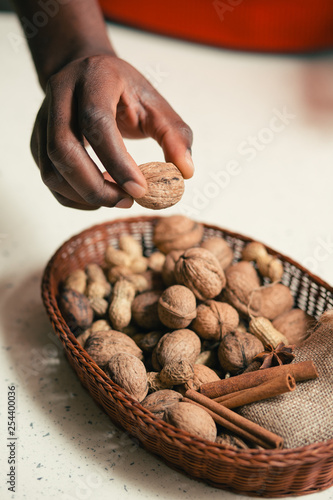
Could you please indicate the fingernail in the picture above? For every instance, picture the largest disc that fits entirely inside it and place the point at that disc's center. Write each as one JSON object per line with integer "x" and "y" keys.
{"x": 124, "y": 203}
{"x": 189, "y": 160}
{"x": 134, "y": 189}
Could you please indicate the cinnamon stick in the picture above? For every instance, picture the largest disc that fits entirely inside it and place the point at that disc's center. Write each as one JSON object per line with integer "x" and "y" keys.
{"x": 304, "y": 370}
{"x": 269, "y": 389}
{"x": 269, "y": 439}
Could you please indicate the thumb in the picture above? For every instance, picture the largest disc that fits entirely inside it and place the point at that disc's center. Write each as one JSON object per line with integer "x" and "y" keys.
{"x": 176, "y": 143}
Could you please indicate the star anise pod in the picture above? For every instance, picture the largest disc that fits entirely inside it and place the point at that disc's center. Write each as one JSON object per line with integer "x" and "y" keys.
{"x": 274, "y": 356}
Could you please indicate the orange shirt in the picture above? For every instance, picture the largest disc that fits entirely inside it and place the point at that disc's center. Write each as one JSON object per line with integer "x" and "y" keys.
{"x": 260, "y": 25}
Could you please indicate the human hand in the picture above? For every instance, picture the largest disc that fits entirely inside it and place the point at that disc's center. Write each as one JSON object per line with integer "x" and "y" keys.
{"x": 102, "y": 99}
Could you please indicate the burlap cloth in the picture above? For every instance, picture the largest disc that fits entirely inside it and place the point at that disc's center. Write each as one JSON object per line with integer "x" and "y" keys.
{"x": 305, "y": 415}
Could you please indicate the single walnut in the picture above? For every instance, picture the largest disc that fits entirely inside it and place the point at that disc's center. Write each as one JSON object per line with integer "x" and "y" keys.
{"x": 176, "y": 372}
{"x": 220, "y": 248}
{"x": 165, "y": 185}
{"x": 242, "y": 279}
{"x": 156, "y": 261}
{"x": 177, "y": 346}
{"x": 271, "y": 301}
{"x": 168, "y": 270}
{"x": 160, "y": 401}
{"x": 177, "y": 307}
{"x": 237, "y": 349}
{"x": 215, "y": 319}
{"x": 145, "y": 310}
{"x": 129, "y": 373}
{"x": 199, "y": 270}
{"x": 76, "y": 311}
{"x": 101, "y": 346}
{"x": 201, "y": 375}
{"x": 295, "y": 325}
{"x": 191, "y": 418}
{"x": 177, "y": 232}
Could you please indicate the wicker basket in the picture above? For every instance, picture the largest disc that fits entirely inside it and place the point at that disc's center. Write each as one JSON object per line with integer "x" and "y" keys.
{"x": 267, "y": 473}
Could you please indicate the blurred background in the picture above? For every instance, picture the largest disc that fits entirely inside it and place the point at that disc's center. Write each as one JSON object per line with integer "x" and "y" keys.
{"x": 5, "y": 5}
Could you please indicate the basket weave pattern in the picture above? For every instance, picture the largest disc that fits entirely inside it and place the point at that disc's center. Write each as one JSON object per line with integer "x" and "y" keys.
{"x": 267, "y": 473}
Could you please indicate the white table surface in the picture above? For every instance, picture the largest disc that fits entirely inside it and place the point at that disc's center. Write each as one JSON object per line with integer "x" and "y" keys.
{"x": 67, "y": 448}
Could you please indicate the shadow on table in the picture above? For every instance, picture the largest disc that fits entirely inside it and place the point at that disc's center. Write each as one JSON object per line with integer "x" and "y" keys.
{"x": 43, "y": 372}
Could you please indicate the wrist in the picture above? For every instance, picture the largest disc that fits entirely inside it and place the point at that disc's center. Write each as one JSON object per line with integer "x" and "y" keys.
{"x": 52, "y": 66}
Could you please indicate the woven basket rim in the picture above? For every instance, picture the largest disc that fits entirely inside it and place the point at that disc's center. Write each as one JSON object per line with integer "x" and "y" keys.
{"x": 282, "y": 457}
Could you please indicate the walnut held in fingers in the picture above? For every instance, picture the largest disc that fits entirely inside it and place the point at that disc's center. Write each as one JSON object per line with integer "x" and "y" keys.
{"x": 199, "y": 270}
{"x": 220, "y": 248}
{"x": 177, "y": 232}
{"x": 177, "y": 307}
{"x": 165, "y": 185}
{"x": 215, "y": 319}
{"x": 130, "y": 373}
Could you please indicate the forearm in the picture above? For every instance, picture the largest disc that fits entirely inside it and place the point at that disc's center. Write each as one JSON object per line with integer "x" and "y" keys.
{"x": 60, "y": 31}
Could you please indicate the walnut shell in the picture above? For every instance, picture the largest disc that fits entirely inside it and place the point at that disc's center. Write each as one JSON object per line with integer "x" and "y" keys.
{"x": 177, "y": 346}
{"x": 202, "y": 375}
{"x": 271, "y": 301}
{"x": 220, "y": 248}
{"x": 165, "y": 185}
{"x": 168, "y": 270}
{"x": 145, "y": 310}
{"x": 155, "y": 383}
{"x": 130, "y": 373}
{"x": 176, "y": 372}
{"x": 101, "y": 346}
{"x": 199, "y": 270}
{"x": 295, "y": 325}
{"x": 177, "y": 307}
{"x": 76, "y": 310}
{"x": 177, "y": 232}
{"x": 215, "y": 319}
{"x": 237, "y": 349}
{"x": 160, "y": 401}
{"x": 242, "y": 279}
{"x": 191, "y": 418}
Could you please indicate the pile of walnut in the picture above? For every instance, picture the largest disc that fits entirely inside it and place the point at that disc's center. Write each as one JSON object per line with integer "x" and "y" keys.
{"x": 184, "y": 316}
